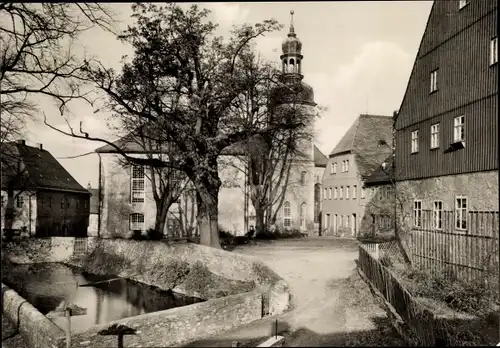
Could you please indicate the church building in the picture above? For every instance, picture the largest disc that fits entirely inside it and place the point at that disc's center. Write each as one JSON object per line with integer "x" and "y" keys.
{"x": 299, "y": 209}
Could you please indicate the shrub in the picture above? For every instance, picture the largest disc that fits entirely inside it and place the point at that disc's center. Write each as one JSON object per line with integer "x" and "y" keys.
{"x": 198, "y": 280}
{"x": 137, "y": 235}
{"x": 266, "y": 235}
{"x": 153, "y": 234}
{"x": 283, "y": 234}
{"x": 467, "y": 296}
{"x": 224, "y": 234}
{"x": 170, "y": 273}
{"x": 103, "y": 262}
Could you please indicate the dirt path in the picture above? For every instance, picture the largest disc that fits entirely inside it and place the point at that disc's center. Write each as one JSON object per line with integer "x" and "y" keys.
{"x": 332, "y": 305}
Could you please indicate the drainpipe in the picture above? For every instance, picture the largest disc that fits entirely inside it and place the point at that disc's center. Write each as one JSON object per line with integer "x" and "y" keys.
{"x": 99, "y": 199}
{"x": 29, "y": 213}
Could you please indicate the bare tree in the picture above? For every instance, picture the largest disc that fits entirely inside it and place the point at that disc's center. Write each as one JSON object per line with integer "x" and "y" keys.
{"x": 191, "y": 86}
{"x": 36, "y": 56}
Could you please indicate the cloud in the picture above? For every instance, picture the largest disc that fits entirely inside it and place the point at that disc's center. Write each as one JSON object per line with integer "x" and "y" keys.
{"x": 373, "y": 82}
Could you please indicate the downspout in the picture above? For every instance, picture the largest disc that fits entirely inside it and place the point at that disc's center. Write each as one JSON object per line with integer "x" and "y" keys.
{"x": 29, "y": 213}
{"x": 99, "y": 199}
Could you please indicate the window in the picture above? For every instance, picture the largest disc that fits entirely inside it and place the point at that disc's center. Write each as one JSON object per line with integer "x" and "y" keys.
{"x": 435, "y": 136}
{"x": 77, "y": 204}
{"x": 343, "y": 166}
{"x": 414, "y": 141}
{"x": 287, "y": 214}
{"x": 19, "y": 201}
{"x": 335, "y": 168}
{"x": 68, "y": 201}
{"x": 62, "y": 202}
{"x": 50, "y": 202}
{"x": 459, "y": 129}
{"x": 494, "y": 51}
{"x": 437, "y": 215}
{"x": 462, "y": 3}
{"x": 354, "y": 192}
{"x": 417, "y": 213}
{"x": 137, "y": 222}
{"x": 341, "y": 192}
{"x": 335, "y": 193}
{"x": 325, "y": 193}
{"x": 347, "y": 192}
{"x": 330, "y": 193}
{"x": 3, "y": 200}
{"x": 303, "y": 178}
{"x": 434, "y": 85}
{"x": 85, "y": 204}
{"x": 137, "y": 184}
{"x": 363, "y": 193}
{"x": 347, "y": 165}
{"x": 461, "y": 213}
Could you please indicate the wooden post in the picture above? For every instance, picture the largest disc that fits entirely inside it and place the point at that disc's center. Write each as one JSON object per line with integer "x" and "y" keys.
{"x": 67, "y": 310}
{"x": 377, "y": 251}
{"x": 67, "y": 314}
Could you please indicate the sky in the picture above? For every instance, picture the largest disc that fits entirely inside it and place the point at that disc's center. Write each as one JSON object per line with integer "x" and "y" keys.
{"x": 357, "y": 57}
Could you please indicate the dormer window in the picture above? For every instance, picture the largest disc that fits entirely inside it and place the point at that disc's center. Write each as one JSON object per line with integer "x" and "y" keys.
{"x": 462, "y": 4}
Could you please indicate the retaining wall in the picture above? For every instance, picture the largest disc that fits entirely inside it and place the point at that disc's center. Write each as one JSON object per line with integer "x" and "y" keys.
{"x": 164, "y": 328}
{"x": 180, "y": 325}
{"x": 229, "y": 265}
{"x": 37, "y": 330}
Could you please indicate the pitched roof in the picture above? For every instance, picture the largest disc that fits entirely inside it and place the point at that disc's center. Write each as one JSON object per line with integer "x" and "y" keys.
{"x": 27, "y": 167}
{"x": 320, "y": 160}
{"x": 363, "y": 138}
{"x": 94, "y": 201}
{"x": 382, "y": 175}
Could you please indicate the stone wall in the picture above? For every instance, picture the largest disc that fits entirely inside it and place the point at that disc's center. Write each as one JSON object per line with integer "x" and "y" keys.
{"x": 182, "y": 324}
{"x": 37, "y": 330}
{"x": 36, "y": 250}
{"x": 225, "y": 264}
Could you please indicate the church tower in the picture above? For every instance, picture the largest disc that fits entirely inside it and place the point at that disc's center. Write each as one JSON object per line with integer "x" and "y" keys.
{"x": 297, "y": 211}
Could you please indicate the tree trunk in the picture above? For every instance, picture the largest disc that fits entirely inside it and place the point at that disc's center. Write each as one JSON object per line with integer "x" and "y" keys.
{"x": 207, "y": 201}
{"x": 161, "y": 216}
{"x": 260, "y": 226}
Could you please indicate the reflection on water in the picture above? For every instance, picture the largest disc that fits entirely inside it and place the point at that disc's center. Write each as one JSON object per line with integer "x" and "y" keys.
{"x": 45, "y": 286}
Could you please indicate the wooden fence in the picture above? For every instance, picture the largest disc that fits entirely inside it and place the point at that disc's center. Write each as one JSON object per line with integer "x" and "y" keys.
{"x": 421, "y": 321}
{"x": 470, "y": 253}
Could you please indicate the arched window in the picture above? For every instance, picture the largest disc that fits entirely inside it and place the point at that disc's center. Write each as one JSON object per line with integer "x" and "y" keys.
{"x": 291, "y": 67}
{"x": 303, "y": 216}
{"x": 287, "y": 214}
{"x": 303, "y": 178}
{"x": 136, "y": 222}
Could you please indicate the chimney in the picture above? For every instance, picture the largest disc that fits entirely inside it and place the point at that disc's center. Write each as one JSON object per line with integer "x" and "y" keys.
{"x": 40, "y": 146}
{"x": 88, "y": 186}
{"x": 21, "y": 142}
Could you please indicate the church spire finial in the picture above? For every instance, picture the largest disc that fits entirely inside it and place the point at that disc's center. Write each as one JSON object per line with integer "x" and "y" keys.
{"x": 292, "y": 30}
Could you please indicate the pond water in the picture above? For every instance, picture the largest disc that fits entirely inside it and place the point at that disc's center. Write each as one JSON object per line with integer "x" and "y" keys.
{"x": 106, "y": 298}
